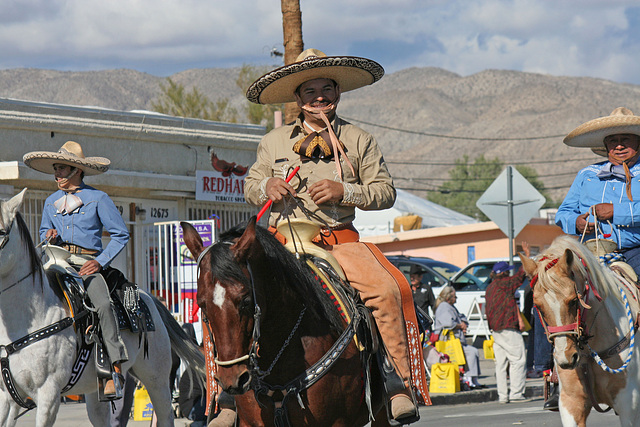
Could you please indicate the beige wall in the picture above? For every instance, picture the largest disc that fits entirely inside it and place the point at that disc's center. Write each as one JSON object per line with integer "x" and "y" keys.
{"x": 451, "y": 244}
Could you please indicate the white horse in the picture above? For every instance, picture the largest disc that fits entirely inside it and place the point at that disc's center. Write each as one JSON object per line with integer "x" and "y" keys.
{"x": 590, "y": 314}
{"x": 41, "y": 369}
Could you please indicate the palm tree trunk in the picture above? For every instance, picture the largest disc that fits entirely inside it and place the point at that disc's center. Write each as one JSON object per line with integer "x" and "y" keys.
{"x": 293, "y": 45}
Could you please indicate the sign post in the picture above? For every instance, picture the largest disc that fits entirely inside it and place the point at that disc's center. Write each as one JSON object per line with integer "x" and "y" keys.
{"x": 510, "y": 215}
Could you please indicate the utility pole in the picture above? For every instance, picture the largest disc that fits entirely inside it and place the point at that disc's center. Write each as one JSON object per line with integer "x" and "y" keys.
{"x": 293, "y": 45}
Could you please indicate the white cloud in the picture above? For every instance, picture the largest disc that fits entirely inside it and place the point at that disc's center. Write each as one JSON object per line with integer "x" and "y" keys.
{"x": 568, "y": 37}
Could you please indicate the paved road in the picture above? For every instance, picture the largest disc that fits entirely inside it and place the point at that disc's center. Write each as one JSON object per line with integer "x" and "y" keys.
{"x": 488, "y": 414}
{"x": 494, "y": 414}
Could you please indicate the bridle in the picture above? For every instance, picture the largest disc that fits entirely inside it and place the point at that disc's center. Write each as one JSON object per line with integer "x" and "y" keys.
{"x": 5, "y": 239}
{"x": 577, "y": 329}
{"x": 253, "y": 355}
{"x": 302, "y": 381}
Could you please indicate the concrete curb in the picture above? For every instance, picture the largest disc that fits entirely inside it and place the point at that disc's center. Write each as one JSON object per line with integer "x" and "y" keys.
{"x": 480, "y": 396}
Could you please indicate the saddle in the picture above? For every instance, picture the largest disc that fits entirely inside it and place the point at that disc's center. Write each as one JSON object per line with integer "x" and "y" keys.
{"x": 605, "y": 250}
{"x": 299, "y": 234}
{"x": 131, "y": 311}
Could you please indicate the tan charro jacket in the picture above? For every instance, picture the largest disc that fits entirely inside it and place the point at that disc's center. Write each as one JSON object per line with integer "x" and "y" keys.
{"x": 371, "y": 188}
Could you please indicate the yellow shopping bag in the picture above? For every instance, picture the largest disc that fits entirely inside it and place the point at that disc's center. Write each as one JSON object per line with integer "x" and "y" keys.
{"x": 487, "y": 346}
{"x": 524, "y": 324}
{"x": 445, "y": 378}
{"x": 450, "y": 345}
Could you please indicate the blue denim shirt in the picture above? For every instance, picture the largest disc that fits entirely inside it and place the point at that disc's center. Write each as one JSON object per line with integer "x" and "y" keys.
{"x": 83, "y": 227}
{"x": 588, "y": 190}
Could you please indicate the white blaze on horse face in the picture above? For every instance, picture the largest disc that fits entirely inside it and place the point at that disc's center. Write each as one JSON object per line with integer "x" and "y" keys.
{"x": 554, "y": 306}
{"x": 219, "y": 294}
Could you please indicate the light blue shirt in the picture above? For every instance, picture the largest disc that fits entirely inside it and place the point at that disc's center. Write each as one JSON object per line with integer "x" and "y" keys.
{"x": 588, "y": 190}
{"x": 83, "y": 227}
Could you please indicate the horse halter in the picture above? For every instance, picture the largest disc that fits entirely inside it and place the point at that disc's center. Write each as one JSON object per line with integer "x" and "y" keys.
{"x": 577, "y": 328}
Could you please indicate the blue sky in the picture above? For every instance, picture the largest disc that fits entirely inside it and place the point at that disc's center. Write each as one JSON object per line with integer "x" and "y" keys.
{"x": 596, "y": 38}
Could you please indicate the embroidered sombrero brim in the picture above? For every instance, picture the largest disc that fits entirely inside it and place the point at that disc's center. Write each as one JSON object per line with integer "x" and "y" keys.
{"x": 69, "y": 154}
{"x": 592, "y": 133}
{"x": 350, "y": 72}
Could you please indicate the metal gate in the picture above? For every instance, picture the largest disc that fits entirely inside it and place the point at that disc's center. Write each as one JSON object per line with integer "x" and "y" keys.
{"x": 171, "y": 272}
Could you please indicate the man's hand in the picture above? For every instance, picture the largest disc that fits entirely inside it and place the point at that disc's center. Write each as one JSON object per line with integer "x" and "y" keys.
{"x": 51, "y": 234}
{"x": 462, "y": 326}
{"x": 90, "y": 267}
{"x": 277, "y": 188}
{"x": 604, "y": 211}
{"x": 525, "y": 249}
{"x": 325, "y": 191}
{"x": 582, "y": 224}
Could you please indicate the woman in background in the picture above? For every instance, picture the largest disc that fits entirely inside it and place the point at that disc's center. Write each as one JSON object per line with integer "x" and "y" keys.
{"x": 448, "y": 317}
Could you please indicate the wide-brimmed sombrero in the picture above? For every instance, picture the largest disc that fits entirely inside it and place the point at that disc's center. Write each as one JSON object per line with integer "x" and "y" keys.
{"x": 69, "y": 154}
{"x": 592, "y": 133}
{"x": 350, "y": 72}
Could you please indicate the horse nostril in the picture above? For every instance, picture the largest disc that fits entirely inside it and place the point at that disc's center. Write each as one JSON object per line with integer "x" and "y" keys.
{"x": 575, "y": 359}
{"x": 245, "y": 380}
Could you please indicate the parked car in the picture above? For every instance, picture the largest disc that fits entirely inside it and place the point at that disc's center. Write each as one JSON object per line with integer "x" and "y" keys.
{"x": 437, "y": 274}
{"x": 470, "y": 283}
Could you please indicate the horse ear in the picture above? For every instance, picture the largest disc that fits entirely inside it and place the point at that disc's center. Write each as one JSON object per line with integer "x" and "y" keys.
{"x": 566, "y": 260}
{"x": 192, "y": 239}
{"x": 529, "y": 265}
{"x": 11, "y": 207}
{"x": 242, "y": 248}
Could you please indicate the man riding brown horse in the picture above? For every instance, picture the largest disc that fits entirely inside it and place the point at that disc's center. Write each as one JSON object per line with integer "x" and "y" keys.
{"x": 341, "y": 168}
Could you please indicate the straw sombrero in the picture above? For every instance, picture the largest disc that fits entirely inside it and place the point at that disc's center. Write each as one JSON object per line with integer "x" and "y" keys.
{"x": 592, "y": 133}
{"x": 349, "y": 72}
{"x": 69, "y": 154}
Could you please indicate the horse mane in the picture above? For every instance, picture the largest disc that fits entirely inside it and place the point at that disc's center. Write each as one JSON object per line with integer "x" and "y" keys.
{"x": 603, "y": 279}
{"x": 34, "y": 258}
{"x": 293, "y": 274}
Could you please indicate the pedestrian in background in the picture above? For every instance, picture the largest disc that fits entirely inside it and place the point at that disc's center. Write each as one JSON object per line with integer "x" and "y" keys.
{"x": 448, "y": 317}
{"x": 422, "y": 292}
{"x": 503, "y": 315}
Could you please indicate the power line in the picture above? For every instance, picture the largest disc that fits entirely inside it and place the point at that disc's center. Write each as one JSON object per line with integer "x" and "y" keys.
{"x": 447, "y": 191}
{"x": 436, "y": 135}
{"x": 573, "y": 174}
{"x": 426, "y": 163}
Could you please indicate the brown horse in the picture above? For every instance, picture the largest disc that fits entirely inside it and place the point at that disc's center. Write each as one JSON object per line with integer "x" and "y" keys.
{"x": 589, "y": 313}
{"x": 272, "y": 323}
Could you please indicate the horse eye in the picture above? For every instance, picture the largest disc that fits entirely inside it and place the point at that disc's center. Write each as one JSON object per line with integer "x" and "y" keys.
{"x": 246, "y": 306}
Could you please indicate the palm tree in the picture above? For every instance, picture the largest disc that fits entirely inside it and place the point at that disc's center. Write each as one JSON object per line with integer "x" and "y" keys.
{"x": 293, "y": 45}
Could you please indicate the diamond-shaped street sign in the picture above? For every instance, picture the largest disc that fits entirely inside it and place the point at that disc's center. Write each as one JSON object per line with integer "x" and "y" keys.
{"x": 510, "y": 195}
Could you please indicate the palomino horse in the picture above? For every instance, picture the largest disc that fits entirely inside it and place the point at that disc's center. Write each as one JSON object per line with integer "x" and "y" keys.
{"x": 589, "y": 313}
{"x": 41, "y": 365}
{"x": 272, "y": 322}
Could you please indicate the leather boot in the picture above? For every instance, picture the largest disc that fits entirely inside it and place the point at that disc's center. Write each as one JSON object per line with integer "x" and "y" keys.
{"x": 226, "y": 418}
{"x": 553, "y": 402}
{"x": 110, "y": 388}
{"x": 402, "y": 408}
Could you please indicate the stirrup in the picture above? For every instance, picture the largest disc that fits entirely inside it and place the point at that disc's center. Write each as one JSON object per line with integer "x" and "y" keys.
{"x": 118, "y": 384}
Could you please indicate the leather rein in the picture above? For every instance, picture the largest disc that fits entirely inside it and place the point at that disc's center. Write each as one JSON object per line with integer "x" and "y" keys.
{"x": 301, "y": 382}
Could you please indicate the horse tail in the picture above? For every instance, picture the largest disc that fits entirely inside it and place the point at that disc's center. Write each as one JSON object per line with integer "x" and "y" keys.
{"x": 183, "y": 345}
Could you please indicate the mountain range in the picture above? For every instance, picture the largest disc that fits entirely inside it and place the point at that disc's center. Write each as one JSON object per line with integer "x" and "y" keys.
{"x": 423, "y": 118}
